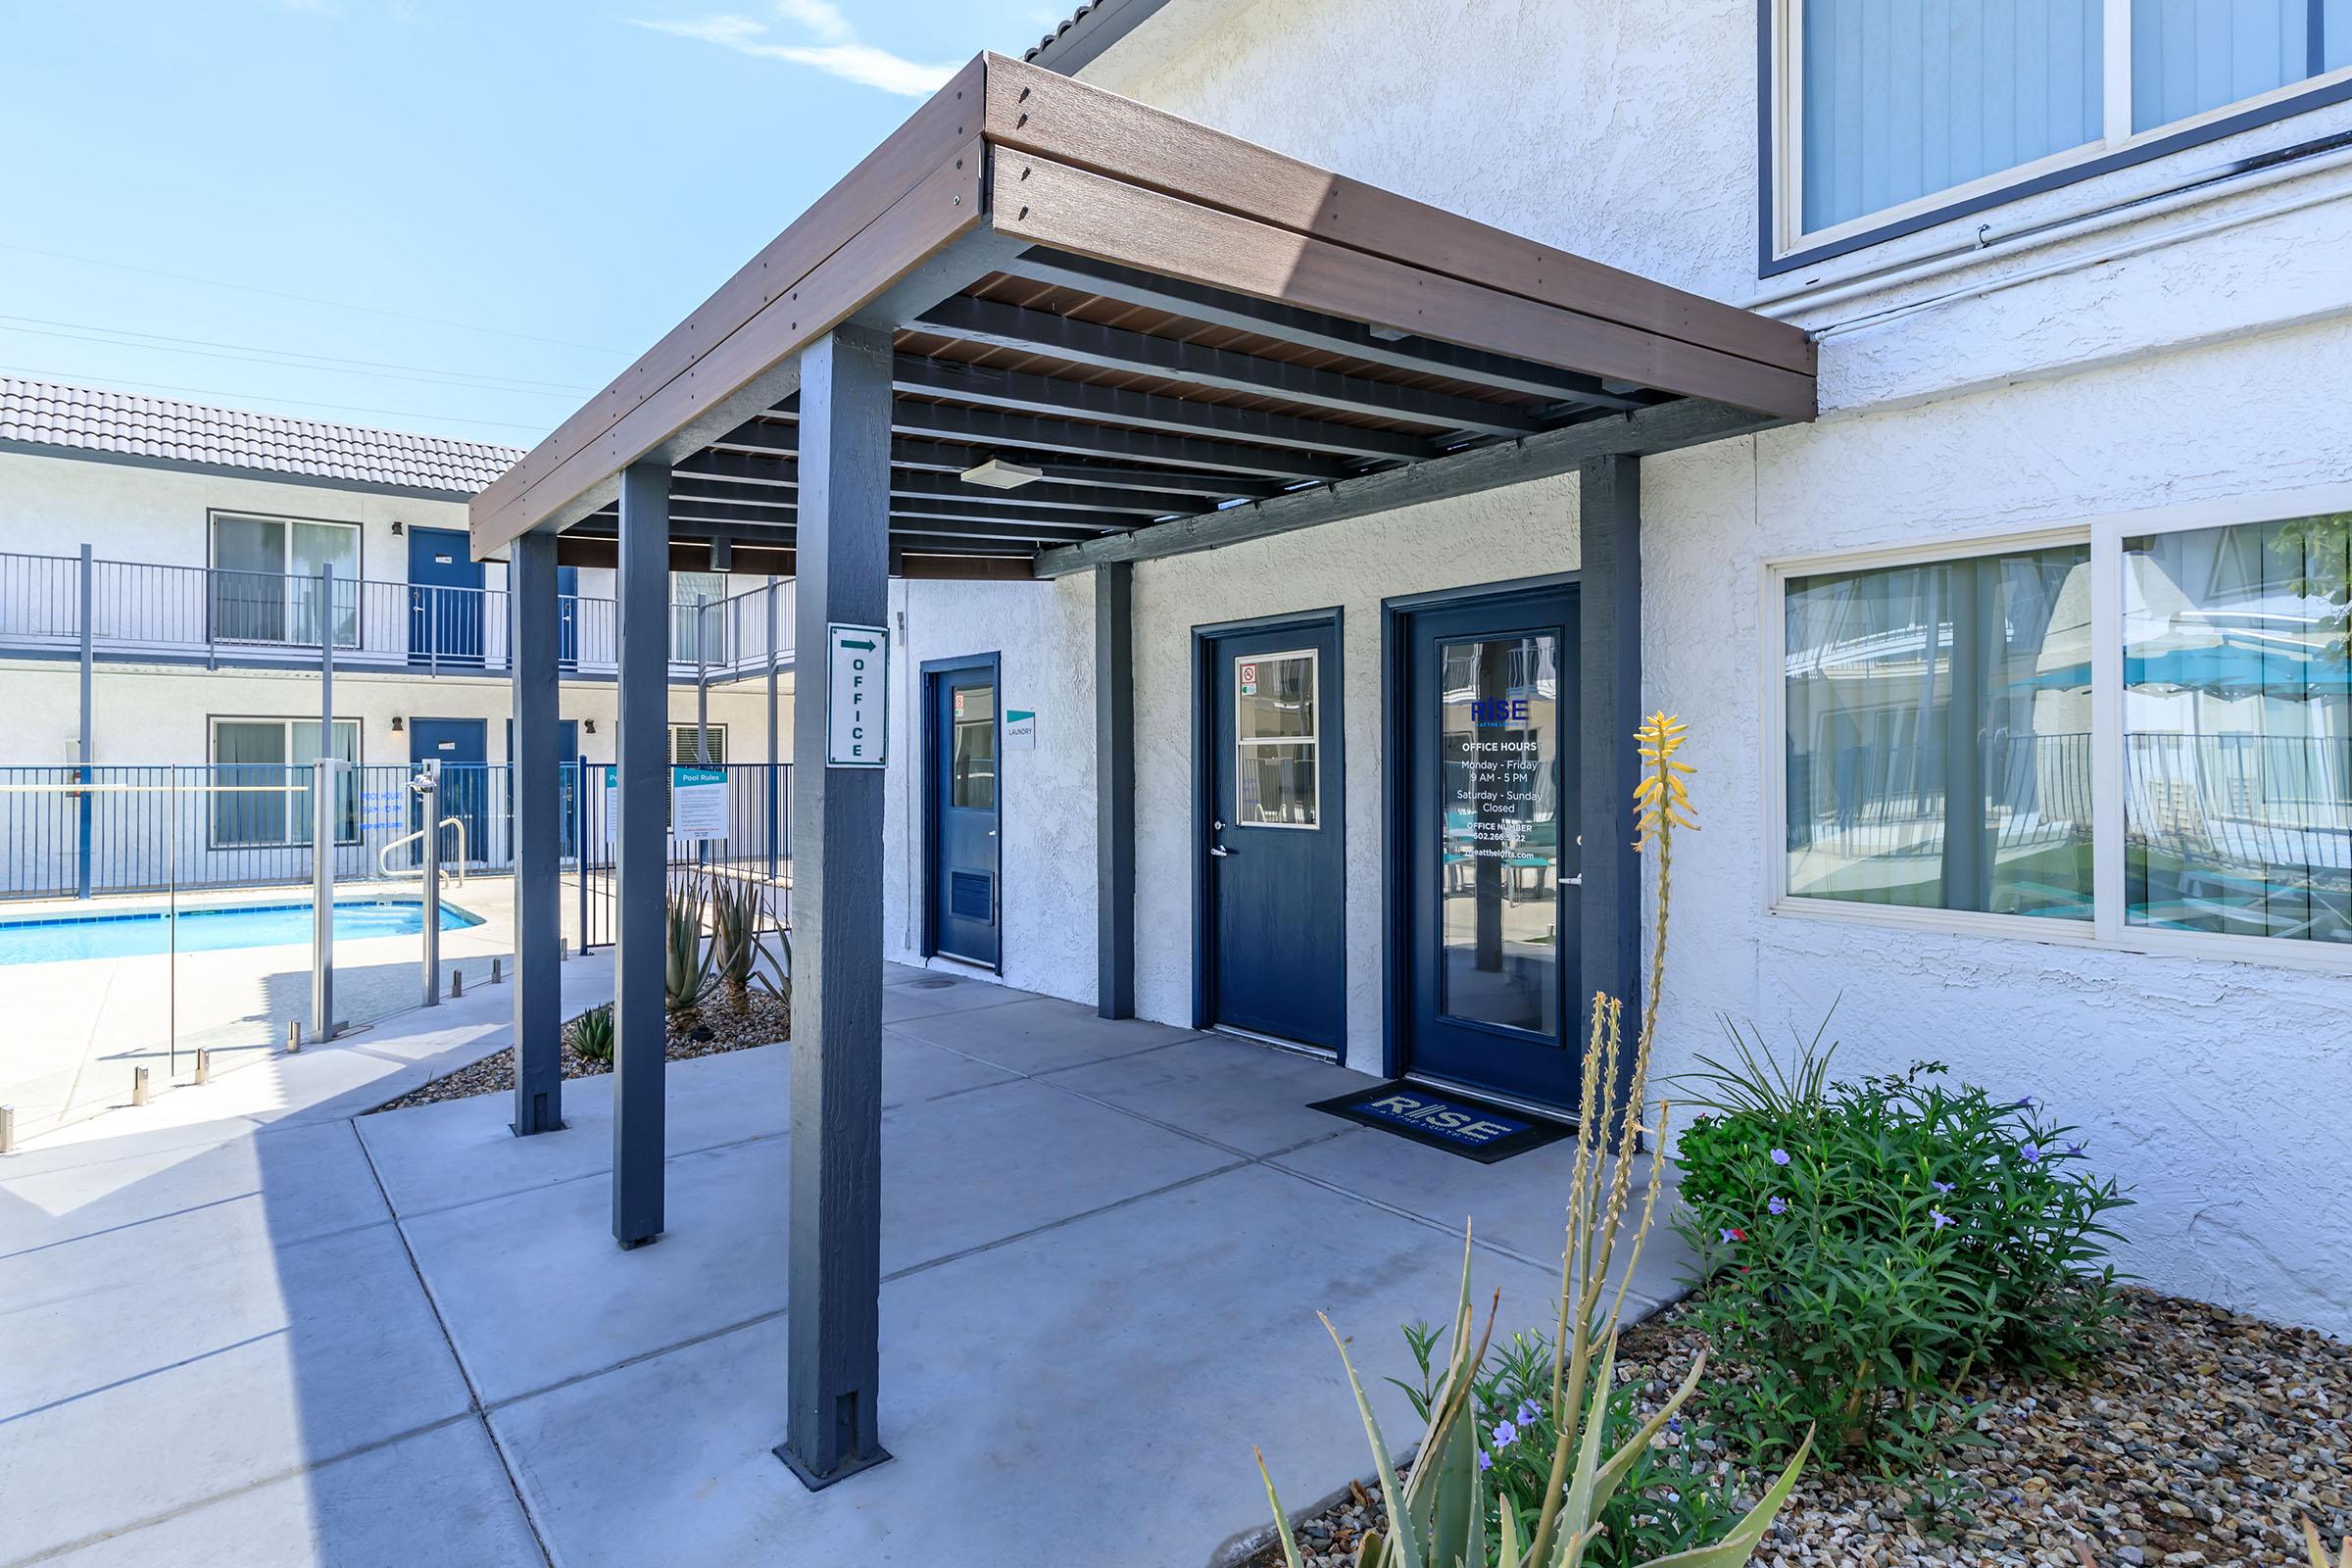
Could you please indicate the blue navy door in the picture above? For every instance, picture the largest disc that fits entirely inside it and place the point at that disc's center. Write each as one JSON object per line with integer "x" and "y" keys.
{"x": 1491, "y": 884}
{"x": 1275, "y": 834}
{"x": 445, "y": 599}
{"x": 461, "y": 744}
{"x": 963, "y": 785}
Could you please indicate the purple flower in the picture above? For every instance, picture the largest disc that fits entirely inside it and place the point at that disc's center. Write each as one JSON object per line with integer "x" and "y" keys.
{"x": 1941, "y": 1218}
{"x": 1942, "y": 1187}
{"x": 2074, "y": 1150}
{"x": 1779, "y": 1156}
{"x": 1779, "y": 1205}
{"x": 2032, "y": 1153}
{"x": 1486, "y": 1461}
{"x": 1731, "y": 1235}
{"x": 1505, "y": 1433}
{"x": 1527, "y": 1412}
{"x": 2026, "y": 1104}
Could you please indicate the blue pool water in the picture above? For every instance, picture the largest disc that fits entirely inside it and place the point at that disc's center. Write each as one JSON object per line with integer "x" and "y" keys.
{"x": 259, "y": 925}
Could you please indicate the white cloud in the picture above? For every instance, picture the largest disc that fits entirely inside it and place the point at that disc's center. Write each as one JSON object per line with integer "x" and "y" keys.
{"x": 820, "y": 17}
{"x": 835, "y": 50}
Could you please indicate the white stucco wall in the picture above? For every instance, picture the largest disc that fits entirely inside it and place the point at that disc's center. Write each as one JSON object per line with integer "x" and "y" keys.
{"x": 2034, "y": 384}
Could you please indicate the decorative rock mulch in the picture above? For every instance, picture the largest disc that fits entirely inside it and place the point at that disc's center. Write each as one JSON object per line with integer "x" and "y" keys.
{"x": 713, "y": 1027}
{"x": 2205, "y": 1439}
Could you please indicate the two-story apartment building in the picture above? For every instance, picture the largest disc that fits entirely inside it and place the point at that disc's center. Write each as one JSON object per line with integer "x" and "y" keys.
{"x": 189, "y": 540}
{"x": 2017, "y": 680}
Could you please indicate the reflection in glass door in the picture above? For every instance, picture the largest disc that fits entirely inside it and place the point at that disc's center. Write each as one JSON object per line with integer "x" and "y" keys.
{"x": 1491, "y": 883}
{"x": 1497, "y": 738}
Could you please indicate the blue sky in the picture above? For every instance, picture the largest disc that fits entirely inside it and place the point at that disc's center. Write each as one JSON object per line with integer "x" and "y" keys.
{"x": 479, "y": 211}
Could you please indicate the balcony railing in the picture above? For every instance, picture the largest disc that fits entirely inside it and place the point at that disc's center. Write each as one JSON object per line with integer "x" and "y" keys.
{"x": 142, "y": 611}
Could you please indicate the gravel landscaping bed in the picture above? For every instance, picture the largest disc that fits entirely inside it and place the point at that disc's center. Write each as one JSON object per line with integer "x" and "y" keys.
{"x": 2206, "y": 1439}
{"x": 705, "y": 1032}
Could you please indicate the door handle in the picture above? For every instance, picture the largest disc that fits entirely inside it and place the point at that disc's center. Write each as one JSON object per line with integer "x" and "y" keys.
{"x": 992, "y": 832}
{"x": 1576, "y": 881}
{"x": 1219, "y": 850}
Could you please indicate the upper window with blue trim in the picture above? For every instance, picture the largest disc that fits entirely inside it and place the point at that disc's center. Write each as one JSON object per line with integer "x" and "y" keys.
{"x": 1889, "y": 110}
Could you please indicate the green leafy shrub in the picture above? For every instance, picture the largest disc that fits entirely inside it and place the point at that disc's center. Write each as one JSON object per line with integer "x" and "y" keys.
{"x": 592, "y": 1034}
{"x": 1867, "y": 1245}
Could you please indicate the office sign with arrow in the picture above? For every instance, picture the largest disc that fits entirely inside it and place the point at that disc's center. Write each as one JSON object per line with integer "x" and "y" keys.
{"x": 856, "y": 696}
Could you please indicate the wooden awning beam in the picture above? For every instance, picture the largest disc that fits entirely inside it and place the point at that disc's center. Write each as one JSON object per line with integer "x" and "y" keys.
{"x": 1014, "y": 172}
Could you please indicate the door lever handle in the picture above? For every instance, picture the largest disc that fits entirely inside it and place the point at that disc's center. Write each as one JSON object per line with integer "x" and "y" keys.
{"x": 1219, "y": 850}
{"x": 1576, "y": 881}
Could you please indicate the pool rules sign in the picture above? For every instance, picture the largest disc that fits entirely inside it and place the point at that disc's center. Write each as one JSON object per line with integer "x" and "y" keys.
{"x": 856, "y": 696}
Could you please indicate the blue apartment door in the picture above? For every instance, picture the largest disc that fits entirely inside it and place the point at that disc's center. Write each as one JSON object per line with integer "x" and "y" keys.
{"x": 1273, "y": 833}
{"x": 961, "y": 730}
{"x": 461, "y": 746}
{"x": 445, "y": 599}
{"x": 1490, "y": 885}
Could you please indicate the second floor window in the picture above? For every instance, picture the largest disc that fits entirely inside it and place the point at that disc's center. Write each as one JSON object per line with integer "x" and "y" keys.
{"x": 1897, "y": 108}
{"x": 265, "y": 585}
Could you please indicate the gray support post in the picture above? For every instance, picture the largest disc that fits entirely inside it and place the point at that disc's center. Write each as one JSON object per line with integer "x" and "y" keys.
{"x": 322, "y": 822}
{"x": 775, "y": 778}
{"x": 86, "y": 805}
{"x": 640, "y": 855}
{"x": 536, "y": 772}
{"x": 427, "y": 786}
{"x": 1610, "y": 707}
{"x": 834, "y": 1310}
{"x": 1114, "y": 790}
{"x": 702, "y": 679}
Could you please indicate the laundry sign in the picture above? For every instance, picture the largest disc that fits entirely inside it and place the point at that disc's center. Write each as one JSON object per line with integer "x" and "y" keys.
{"x": 856, "y": 696}
{"x": 1020, "y": 729}
{"x": 697, "y": 802}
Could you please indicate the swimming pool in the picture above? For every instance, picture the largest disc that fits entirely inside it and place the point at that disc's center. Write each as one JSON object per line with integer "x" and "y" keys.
{"x": 257, "y": 925}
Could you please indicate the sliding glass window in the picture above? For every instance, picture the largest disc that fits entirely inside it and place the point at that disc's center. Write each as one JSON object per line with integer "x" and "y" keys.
{"x": 1937, "y": 734}
{"x": 1890, "y": 112}
{"x": 2237, "y": 719}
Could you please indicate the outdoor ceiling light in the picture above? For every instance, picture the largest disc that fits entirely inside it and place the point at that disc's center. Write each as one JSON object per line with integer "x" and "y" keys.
{"x": 997, "y": 474}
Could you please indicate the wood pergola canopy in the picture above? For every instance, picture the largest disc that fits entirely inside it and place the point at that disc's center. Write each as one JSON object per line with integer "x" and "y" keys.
{"x": 1192, "y": 339}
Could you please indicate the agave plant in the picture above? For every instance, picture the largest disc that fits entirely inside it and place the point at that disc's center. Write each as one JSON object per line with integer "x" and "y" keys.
{"x": 738, "y": 944}
{"x": 689, "y": 970}
{"x": 2319, "y": 1549}
{"x": 1437, "y": 1518}
{"x": 592, "y": 1034}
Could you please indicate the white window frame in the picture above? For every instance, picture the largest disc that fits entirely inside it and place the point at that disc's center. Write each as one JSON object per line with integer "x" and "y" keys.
{"x": 2107, "y": 928}
{"x": 286, "y": 723}
{"x": 1786, "y": 154}
{"x": 285, "y": 573}
{"x": 1313, "y": 737}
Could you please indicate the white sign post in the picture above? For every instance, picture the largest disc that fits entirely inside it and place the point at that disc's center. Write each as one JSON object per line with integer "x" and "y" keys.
{"x": 856, "y": 696}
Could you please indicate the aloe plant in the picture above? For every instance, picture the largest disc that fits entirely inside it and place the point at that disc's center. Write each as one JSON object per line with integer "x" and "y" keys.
{"x": 592, "y": 1034}
{"x": 738, "y": 944}
{"x": 2319, "y": 1549}
{"x": 689, "y": 972}
{"x": 1437, "y": 1518}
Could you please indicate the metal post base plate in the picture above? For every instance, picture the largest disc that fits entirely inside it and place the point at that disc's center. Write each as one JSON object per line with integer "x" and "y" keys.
{"x": 847, "y": 1467}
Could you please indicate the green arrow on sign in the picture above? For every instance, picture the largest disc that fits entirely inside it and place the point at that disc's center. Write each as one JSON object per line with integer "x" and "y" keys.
{"x": 846, "y": 642}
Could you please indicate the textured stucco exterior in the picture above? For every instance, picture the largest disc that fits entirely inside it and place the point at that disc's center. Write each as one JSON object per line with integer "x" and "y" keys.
{"x": 2197, "y": 348}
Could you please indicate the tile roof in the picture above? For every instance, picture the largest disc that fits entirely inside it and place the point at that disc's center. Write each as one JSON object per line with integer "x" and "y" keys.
{"x": 125, "y": 424}
{"x": 1077, "y": 40}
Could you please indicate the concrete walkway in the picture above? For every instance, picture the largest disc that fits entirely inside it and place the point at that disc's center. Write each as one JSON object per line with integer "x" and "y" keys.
{"x": 407, "y": 1338}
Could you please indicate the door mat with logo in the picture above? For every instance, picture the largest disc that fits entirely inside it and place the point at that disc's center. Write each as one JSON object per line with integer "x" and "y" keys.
{"x": 1444, "y": 1119}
